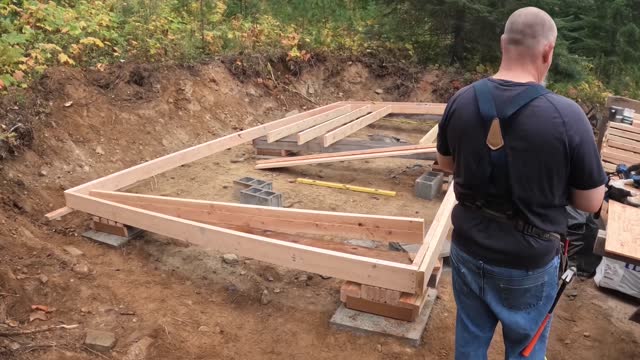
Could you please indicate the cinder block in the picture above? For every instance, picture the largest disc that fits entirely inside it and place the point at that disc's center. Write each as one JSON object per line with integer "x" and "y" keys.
{"x": 249, "y": 196}
{"x": 429, "y": 185}
{"x": 269, "y": 198}
{"x": 249, "y": 182}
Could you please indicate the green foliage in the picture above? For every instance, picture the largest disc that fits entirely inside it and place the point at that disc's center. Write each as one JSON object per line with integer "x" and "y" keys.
{"x": 597, "y": 47}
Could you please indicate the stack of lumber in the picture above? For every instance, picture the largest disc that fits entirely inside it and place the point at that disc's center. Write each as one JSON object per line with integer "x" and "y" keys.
{"x": 621, "y": 145}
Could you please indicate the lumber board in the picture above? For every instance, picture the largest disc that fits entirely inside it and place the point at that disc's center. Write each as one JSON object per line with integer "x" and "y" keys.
{"x": 348, "y": 129}
{"x": 428, "y": 254}
{"x": 624, "y": 127}
{"x": 148, "y": 169}
{"x": 409, "y": 108}
{"x": 382, "y": 309}
{"x": 375, "y": 253}
{"x": 345, "y": 156}
{"x": 277, "y": 134}
{"x": 623, "y": 231}
{"x": 622, "y": 146}
{"x": 609, "y": 167}
{"x": 431, "y": 136}
{"x": 624, "y": 134}
{"x": 360, "y": 269}
{"x": 622, "y": 140}
{"x": 57, "y": 214}
{"x": 620, "y": 156}
{"x": 296, "y": 221}
{"x": 321, "y": 129}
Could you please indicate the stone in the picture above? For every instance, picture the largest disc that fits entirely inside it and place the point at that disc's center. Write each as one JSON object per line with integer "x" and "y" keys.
{"x": 230, "y": 259}
{"x": 587, "y": 335}
{"x": 269, "y": 278}
{"x": 325, "y": 277}
{"x": 379, "y": 91}
{"x": 99, "y": 340}
{"x": 43, "y": 173}
{"x": 303, "y": 278}
{"x": 379, "y": 348}
{"x": 204, "y": 329}
{"x": 99, "y": 150}
{"x": 567, "y": 342}
{"x": 277, "y": 290}
{"x": 81, "y": 268}
{"x": 139, "y": 350}
{"x": 43, "y": 278}
{"x": 72, "y": 250}
{"x": 265, "y": 298}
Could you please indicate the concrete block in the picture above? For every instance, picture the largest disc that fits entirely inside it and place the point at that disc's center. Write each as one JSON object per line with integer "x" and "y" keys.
{"x": 361, "y": 322}
{"x": 269, "y": 198}
{"x": 98, "y": 340}
{"x": 110, "y": 239}
{"x": 248, "y": 182}
{"x": 249, "y": 196}
{"x": 429, "y": 185}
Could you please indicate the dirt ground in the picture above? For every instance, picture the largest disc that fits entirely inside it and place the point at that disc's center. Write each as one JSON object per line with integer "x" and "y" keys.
{"x": 166, "y": 300}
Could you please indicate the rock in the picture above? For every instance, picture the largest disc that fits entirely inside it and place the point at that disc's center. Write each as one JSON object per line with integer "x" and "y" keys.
{"x": 379, "y": 91}
{"x": 252, "y": 92}
{"x": 218, "y": 330}
{"x": 269, "y": 278}
{"x": 138, "y": 351}
{"x": 230, "y": 259}
{"x": 303, "y": 278}
{"x": 238, "y": 160}
{"x": 72, "y": 250}
{"x": 81, "y": 268}
{"x": 379, "y": 348}
{"x": 291, "y": 113}
{"x": 99, "y": 150}
{"x": 204, "y": 329}
{"x": 265, "y": 298}
{"x": 99, "y": 340}
{"x": 310, "y": 89}
{"x": 325, "y": 277}
{"x": 38, "y": 315}
{"x": 43, "y": 173}
{"x": 587, "y": 335}
{"x": 242, "y": 272}
{"x": 567, "y": 342}
{"x": 43, "y": 278}
{"x": 277, "y": 290}
{"x": 84, "y": 310}
{"x": 13, "y": 346}
{"x": 572, "y": 294}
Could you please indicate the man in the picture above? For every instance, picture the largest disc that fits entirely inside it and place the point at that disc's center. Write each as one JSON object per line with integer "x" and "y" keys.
{"x": 519, "y": 155}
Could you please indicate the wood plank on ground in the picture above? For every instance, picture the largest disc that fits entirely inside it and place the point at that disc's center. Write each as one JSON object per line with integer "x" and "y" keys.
{"x": 57, "y": 214}
{"x": 624, "y": 127}
{"x": 620, "y": 156}
{"x": 623, "y": 231}
{"x": 355, "y": 268}
{"x": 350, "y": 128}
{"x": 321, "y": 129}
{"x": 345, "y": 156}
{"x": 279, "y": 133}
{"x": 622, "y": 146}
{"x": 296, "y": 221}
{"x": 624, "y": 134}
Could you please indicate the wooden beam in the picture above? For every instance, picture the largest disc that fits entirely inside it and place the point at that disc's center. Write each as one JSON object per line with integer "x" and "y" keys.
{"x": 57, "y": 214}
{"x": 624, "y": 134}
{"x": 409, "y": 108}
{"x": 294, "y": 221}
{"x": 622, "y": 146}
{"x": 623, "y": 231}
{"x": 279, "y": 133}
{"x": 624, "y": 127}
{"x": 354, "y": 126}
{"x": 150, "y": 168}
{"x": 360, "y": 269}
{"x": 321, "y": 129}
{"x": 345, "y": 156}
{"x": 431, "y": 136}
{"x": 620, "y": 156}
{"x": 429, "y": 252}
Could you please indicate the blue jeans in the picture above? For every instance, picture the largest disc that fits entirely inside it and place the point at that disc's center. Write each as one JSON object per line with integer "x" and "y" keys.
{"x": 485, "y": 294}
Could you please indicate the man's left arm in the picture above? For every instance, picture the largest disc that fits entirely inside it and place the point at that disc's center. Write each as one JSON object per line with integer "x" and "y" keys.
{"x": 444, "y": 155}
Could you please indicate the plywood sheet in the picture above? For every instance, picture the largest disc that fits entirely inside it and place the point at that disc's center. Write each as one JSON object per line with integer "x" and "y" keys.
{"x": 623, "y": 231}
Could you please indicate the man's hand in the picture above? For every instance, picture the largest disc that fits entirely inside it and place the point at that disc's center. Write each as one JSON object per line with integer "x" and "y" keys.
{"x": 445, "y": 162}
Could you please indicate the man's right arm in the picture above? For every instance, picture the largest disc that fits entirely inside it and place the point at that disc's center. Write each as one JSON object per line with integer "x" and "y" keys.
{"x": 587, "y": 178}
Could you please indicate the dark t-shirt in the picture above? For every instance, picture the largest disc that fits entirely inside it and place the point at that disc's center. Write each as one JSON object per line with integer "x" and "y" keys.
{"x": 550, "y": 147}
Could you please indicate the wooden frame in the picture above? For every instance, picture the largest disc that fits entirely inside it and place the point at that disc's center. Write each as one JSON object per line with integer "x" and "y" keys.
{"x": 215, "y": 225}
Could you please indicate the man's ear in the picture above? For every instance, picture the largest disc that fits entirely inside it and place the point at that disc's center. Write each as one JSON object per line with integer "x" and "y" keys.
{"x": 547, "y": 53}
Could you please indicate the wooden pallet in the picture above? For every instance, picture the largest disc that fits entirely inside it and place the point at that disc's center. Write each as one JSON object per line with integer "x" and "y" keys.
{"x": 621, "y": 145}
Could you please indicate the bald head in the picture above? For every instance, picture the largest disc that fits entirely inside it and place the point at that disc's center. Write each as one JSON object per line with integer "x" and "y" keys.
{"x": 530, "y": 28}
